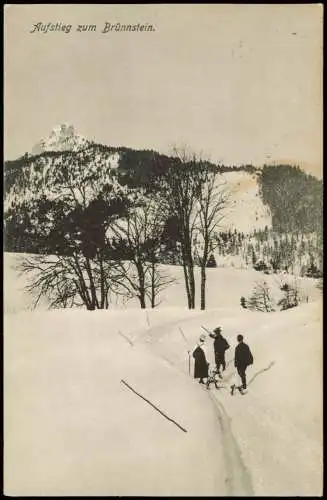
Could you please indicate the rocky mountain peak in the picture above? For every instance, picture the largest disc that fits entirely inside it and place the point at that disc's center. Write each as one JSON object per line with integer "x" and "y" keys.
{"x": 62, "y": 138}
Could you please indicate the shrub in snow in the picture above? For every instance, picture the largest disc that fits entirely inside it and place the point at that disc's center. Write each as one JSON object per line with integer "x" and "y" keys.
{"x": 320, "y": 284}
{"x": 261, "y": 299}
{"x": 261, "y": 266}
{"x": 212, "y": 261}
{"x": 313, "y": 271}
{"x": 243, "y": 302}
{"x": 291, "y": 296}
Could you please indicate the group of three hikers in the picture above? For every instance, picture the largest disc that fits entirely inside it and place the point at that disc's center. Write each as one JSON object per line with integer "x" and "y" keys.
{"x": 242, "y": 359}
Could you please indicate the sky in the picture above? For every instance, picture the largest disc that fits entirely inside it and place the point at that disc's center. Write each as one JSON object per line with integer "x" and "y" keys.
{"x": 237, "y": 84}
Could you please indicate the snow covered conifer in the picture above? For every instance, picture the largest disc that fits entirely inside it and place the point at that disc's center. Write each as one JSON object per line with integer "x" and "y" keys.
{"x": 212, "y": 261}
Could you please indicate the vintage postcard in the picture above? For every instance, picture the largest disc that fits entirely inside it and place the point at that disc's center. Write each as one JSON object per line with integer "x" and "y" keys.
{"x": 163, "y": 250}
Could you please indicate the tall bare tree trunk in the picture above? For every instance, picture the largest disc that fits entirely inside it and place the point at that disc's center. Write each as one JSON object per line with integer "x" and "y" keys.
{"x": 204, "y": 261}
{"x": 186, "y": 277}
{"x": 192, "y": 286}
{"x": 153, "y": 288}
{"x": 189, "y": 265}
{"x": 102, "y": 284}
{"x": 191, "y": 273}
{"x": 84, "y": 292}
{"x": 94, "y": 301}
{"x": 141, "y": 295}
{"x": 203, "y": 287}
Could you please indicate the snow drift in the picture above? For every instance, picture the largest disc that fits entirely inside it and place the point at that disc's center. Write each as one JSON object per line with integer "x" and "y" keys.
{"x": 240, "y": 283}
{"x": 72, "y": 427}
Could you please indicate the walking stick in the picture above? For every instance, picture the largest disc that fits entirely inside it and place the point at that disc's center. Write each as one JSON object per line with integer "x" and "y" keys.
{"x": 188, "y": 352}
{"x": 206, "y": 329}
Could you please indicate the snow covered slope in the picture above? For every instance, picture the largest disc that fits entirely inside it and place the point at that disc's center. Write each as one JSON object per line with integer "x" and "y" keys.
{"x": 246, "y": 210}
{"x": 225, "y": 287}
{"x": 36, "y": 177}
{"x": 277, "y": 425}
{"x": 72, "y": 428}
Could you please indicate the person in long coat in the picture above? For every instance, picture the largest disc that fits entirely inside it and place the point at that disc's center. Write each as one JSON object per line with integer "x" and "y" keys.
{"x": 200, "y": 361}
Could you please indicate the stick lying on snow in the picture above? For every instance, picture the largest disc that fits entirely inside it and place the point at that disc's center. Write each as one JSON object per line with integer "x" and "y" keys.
{"x": 126, "y": 338}
{"x": 182, "y": 334}
{"x": 153, "y": 406}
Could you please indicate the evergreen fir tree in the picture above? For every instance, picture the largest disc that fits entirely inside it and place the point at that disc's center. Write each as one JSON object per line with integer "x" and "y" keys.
{"x": 212, "y": 261}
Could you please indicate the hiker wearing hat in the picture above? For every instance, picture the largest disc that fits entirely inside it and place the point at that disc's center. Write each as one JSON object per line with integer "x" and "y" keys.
{"x": 200, "y": 360}
{"x": 220, "y": 346}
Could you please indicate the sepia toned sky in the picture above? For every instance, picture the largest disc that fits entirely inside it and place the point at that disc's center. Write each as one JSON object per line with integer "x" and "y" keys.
{"x": 237, "y": 83}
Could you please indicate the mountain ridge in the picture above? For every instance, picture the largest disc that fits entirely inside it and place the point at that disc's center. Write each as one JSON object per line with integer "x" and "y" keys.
{"x": 281, "y": 197}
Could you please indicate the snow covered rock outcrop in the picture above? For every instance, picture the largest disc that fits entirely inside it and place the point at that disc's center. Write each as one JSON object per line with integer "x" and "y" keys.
{"x": 62, "y": 138}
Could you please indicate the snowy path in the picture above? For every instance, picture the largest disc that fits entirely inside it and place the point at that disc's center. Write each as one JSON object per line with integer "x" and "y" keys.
{"x": 62, "y": 379}
{"x": 238, "y": 478}
{"x": 72, "y": 428}
{"x": 239, "y": 481}
{"x": 63, "y": 392}
{"x": 263, "y": 431}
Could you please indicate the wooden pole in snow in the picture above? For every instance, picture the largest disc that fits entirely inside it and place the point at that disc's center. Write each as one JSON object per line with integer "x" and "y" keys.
{"x": 189, "y": 359}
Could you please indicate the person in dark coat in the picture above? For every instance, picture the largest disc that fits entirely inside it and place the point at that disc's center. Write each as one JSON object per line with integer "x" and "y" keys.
{"x": 220, "y": 345}
{"x": 200, "y": 361}
{"x": 243, "y": 358}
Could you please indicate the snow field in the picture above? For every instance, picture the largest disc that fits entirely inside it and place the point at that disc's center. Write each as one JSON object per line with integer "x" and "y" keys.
{"x": 278, "y": 424}
{"x": 246, "y": 210}
{"x": 225, "y": 287}
{"x": 72, "y": 427}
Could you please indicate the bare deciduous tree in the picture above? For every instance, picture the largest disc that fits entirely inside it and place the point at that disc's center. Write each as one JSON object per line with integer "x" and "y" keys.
{"x": 137, "y": 239}
{"x": 211, "y": 205}
{"x": 69, "y": 213}
{"x": 182, "y": 187}
{"x": 69, "y": 281}
{"x": 260, "y": 300}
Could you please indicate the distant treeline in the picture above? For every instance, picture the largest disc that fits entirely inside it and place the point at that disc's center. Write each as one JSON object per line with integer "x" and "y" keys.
{"x": 293, "y": 197}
